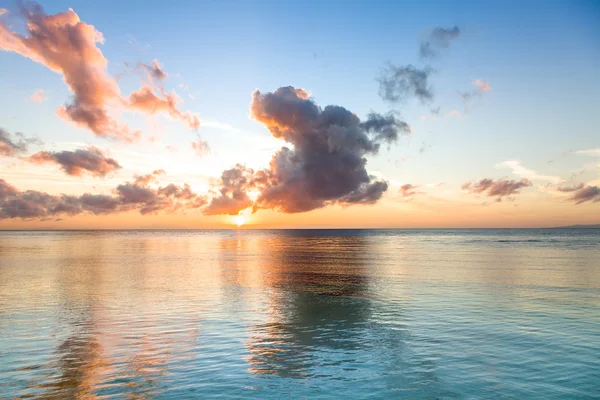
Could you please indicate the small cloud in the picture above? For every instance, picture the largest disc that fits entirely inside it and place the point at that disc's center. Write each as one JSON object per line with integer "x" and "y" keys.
{"x": 499, "y": 189}
{"x": 453, "y": 113}
{"x": 437, "y": 40}
{"x": 75, "y": 163}
{"x": 39, "y": 96}
{"x": 201, "y": 147}
{"x": 590, "y": 152}
{"x": 14, "y": 144}
{"x": 3, "y": 11}
{"x": 399, "y": 83}
{"x": 408, "y": 190}
{"x": 520, "y": 170}
{"x": 481, "y": 87}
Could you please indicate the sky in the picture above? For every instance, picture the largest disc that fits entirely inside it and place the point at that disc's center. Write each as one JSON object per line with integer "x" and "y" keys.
{"x": 206, "y": 114}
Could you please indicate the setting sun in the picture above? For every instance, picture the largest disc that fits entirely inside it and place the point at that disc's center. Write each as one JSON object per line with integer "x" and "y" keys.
{"x": 239, "y": 220}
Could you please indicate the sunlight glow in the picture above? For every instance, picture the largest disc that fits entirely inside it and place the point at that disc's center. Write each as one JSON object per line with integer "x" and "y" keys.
{"x": 239, "y": 220}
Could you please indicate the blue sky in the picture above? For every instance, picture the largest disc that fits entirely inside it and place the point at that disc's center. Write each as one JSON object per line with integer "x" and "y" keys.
{"x": 541, "y": 59}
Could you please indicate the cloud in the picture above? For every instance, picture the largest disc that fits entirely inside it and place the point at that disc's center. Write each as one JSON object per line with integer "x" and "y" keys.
{"x": 582, "y": 193}
{"x": 154, "y": 70}
{"x": 130, "y": 196}
{"x": 591, "y": 152}
{"x": 38, "y": 96}
{"x": 481, "y": 87}
{"x": 408, "y": 190}
{"x": 498, "y": 189}
{"x": 568, "y": 189}
{"x": 200, "y": 147}
{"x": 75, "y": 163}
{"x": 325, "y": 164}
{"x": 399, "y": 83}
{"x": 453, "y": 113}
{"x": 12, "y": 145}
{"x": 436, "y": 40}
{"x": 520, "y": 170}
{"x": 232, "y": 196}
{"x": 68, "y": 46}
{"x": 146, "y": 100}
{"x": 3, "y": 11}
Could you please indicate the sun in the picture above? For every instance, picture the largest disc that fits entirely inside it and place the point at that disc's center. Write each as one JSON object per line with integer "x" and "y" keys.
{"x": 239, "y": 220}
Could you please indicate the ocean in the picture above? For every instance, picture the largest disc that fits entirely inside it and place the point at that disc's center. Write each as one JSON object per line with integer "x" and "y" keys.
{"x": 315, "y": 314}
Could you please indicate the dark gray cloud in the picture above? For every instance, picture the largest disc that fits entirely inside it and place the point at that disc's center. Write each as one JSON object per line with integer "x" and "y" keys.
{"x": 582, "y": 194}
{"x": 130, "y": 196}
{"x": 400, "y": 83}
{"x": 76, "y": 163}
{"x": 437, "y": 40}
{"x": 498, "y": 189}
{"x": 14, "y": 144}
{"x": 326, "y": 165}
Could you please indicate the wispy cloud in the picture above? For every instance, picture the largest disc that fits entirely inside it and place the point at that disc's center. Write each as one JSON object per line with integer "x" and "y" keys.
{"x": 518, "y": 169}
{"x": 590, "y": 152}
{"x": 437, "y": 40}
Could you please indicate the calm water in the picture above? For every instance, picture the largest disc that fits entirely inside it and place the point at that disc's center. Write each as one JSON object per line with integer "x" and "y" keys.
{"x": 301, "y": 314}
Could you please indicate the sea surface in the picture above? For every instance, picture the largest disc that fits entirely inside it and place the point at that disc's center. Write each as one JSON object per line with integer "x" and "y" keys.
{"x": 316, "y": 314}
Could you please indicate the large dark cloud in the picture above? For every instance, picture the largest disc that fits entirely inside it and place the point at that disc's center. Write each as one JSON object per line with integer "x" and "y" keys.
{"x": 399, "y": 83}
{"x": 136, "y": 195}
{"x": 325, "y": 163}
{"x": 14, "y": 144}
{"x": 582, "y": 193}
{"x": 498, "y": 189}
{"x": 436, "y": 40}
{"x": 75, "y": 163}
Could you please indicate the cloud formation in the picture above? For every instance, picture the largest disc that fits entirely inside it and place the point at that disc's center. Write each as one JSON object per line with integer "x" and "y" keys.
{"x": 76, "y": 163}
{"x": 518, "y": 169}
{"x": 327, "y": 164}
{"x": 481, "y": 87}
{"x": 582, "y": 193}
{"x": 146, "y": 100}
{"x": 130, "y": 196}
{"x": 200, "y": 147}
{"x": 154, "y": 70}
{"x": 399, "y": 83}
{"x": 38, "y": 96}
{"x": 68, "y": 46}
{"x": 437, "y": 40}
{"x": 13, "y": 145}
{"x": 499, "y": 189}
{"x": 408, "y": 190}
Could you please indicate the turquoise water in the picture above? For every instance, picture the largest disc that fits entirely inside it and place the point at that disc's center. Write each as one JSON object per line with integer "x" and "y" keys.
{"x": 431, "y": 314}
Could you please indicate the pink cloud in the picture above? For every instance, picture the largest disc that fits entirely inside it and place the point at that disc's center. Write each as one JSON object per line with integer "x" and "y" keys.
{"x": 69, "y": 47}
{"x": 145, "y": 99}
{"x": 39, "y": 96}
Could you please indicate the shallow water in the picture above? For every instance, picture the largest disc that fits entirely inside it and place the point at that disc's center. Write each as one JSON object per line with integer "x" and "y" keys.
{"x": 290, "y": 314}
